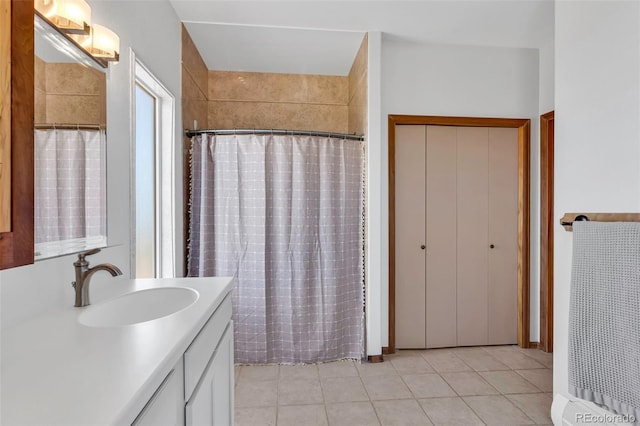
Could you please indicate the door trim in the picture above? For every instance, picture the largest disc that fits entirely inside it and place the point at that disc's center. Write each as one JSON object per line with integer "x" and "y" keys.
{"x": 546, "y": 230}
{"x": 523, "y": 125}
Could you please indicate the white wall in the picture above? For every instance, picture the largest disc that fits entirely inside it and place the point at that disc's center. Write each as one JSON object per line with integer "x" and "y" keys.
{"x": 425, "y": 79}
{"x": 45, "y": 286}
{"x": 547, "y": 77}
{"x": 375, "y": 260}
{"x": 597, "y": 131}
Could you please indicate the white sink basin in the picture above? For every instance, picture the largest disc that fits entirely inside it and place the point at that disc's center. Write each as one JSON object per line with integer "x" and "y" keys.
{"x": 138, "y": 306}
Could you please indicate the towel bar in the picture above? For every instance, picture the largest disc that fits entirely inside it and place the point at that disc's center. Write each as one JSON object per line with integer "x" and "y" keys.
{"x": 567, "y": 220}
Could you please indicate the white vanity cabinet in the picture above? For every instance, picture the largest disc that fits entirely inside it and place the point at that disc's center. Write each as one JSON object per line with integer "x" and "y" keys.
{"x": 170, "y": 371}
{"x": 212, "y": 401}
{"x": 208, "y": 371}
{"x": 199, "y": 389}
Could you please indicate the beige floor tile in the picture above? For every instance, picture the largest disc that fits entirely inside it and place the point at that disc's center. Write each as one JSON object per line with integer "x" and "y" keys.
{"x": 541, "y": 378}
{"x": 296, "y": 415}
{"x": 405, "y": 412}
{"x": 513, "y": 358}
{"x": 444, "y": 361}
{"x": 299, "y": 391}
{"x": 498, "y": 385}
{"x": 449, "y": 411}
{"x": 343, "y": 389}
{"x": 508, "y": 382}
{"x": 255, "y": 416}
{"x": 497, "y": 410}
{"x": 413, "y": 364}
{"x": 544, "y": 358}
{"x": 256, "y": 393}
{"x": 427, "y": 385}
{"x": 403, "y": 352}
{"x": 479, "y": 360}
{"x": 376, "y": 369}
{"x": 338, "y": 369}
{"x": 469, "y": 383}
{"x": 537, "y": 406}
{"x": 352, "y": 414}
{"x": 386, "y": 387}
{"x": 289, "y": 372}
{"x": 258, "y": 372}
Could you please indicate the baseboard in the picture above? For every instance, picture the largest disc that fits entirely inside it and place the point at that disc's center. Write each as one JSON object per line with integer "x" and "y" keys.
{"x": 387, "y": 351}
{"x": 534, "y": 345}
{"x": 375, "y": 358}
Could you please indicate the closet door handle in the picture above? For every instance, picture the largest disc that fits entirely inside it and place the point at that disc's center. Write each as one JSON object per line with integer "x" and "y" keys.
{"x": 422, "y": 247}
{"x": 492, "y": 246}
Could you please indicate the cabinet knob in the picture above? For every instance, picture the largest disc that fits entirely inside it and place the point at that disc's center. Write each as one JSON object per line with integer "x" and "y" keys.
{"x": 422, "y": 247}
{"x": 491, "y": 246}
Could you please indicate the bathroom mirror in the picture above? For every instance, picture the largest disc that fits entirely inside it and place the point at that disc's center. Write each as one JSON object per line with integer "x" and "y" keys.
{"x": 70, "y": 146}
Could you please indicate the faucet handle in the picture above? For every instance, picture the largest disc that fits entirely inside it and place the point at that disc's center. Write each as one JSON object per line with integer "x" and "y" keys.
{"x": 82, "y": 255}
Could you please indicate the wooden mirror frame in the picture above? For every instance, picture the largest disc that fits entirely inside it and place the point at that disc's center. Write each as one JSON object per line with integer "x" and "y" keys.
{"x": 17, "y": 245}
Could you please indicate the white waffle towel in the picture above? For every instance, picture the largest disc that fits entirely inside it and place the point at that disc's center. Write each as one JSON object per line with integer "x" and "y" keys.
{"x": 604, "y": 316}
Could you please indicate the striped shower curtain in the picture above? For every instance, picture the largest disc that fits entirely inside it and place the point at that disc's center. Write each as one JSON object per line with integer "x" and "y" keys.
{"x": 284, "y": 216}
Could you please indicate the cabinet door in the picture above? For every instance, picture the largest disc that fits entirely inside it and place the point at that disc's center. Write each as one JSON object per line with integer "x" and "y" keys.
{"x": 503, "y": 234}
{"x": 165, "y": 406}
{"x": 212, "y": 401}
{"x": 473, "y": 235}
{"x": 441, "y": 237}
{"x": 410, "y": 260}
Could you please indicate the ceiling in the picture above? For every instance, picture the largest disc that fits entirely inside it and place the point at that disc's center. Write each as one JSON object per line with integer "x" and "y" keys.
{"x": 322, "y": 37}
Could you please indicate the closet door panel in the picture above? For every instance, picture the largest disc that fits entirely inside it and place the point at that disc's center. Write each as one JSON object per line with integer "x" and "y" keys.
{"x": 472, "y": 236}
{"x": 503, "y": 232}
{"x": 410, "y": 236}
{"x": 441, "y": 242}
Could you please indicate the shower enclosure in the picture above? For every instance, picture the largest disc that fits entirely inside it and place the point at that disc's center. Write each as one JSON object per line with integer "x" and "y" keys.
{"x": 283, "y": 212}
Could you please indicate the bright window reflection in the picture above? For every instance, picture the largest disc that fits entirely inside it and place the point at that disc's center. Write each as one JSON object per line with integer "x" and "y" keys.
{"x": 145, "y": 194}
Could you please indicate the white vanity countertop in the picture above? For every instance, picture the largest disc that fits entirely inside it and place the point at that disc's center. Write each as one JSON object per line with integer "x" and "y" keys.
{"x": 55, "y": 371}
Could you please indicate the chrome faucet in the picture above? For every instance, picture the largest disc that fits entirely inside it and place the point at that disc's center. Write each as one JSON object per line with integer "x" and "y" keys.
{"x": 84, "y": 273}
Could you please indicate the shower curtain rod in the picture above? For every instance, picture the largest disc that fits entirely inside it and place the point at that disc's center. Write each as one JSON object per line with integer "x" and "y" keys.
{"x": 66, "y": 126}
{"x": 191, "y": 133}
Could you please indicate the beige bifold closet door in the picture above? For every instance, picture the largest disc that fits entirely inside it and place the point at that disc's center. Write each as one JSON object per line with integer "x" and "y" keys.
{"x": 456, "y": 236}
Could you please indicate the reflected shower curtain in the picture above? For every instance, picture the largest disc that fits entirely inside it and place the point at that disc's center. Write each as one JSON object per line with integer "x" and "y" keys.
{"x": 284, "y": 216}
{"x": 69, "y": 191}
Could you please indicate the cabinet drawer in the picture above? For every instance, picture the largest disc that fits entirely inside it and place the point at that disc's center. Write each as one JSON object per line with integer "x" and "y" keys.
{"x": 199, "y": 353}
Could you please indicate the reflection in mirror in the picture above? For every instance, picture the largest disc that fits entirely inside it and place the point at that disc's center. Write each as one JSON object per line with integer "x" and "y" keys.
{"x": 70, "y": 138}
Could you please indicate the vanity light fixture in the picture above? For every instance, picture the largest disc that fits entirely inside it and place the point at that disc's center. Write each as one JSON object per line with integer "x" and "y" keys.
{"x": 70, "y": 16}
{"x": 101, "y": 43}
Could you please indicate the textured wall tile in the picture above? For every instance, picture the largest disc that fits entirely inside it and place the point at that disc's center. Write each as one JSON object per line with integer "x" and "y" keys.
{"x": 257, "y": 86}
{"x": 74, "y": 79}
{"x": 270, "y": 87}
{"x": 358, "y": 111}
{"x": 194, "y": 110}
{"x": 325, "y": 89}
{"x": 40, "y": 69}
{"x": 358, "y": 91}
{"x": 193, "y": 62}
{"x": 40, "y": 107}
{"x": 264, "y": 115}
{"x": 74, "y": 109}
{"x": 359, "y": 68}
{"x": 190, "y": 89}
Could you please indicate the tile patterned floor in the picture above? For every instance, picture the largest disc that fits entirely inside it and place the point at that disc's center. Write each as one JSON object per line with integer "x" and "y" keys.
{"x": 494, "y": 385}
